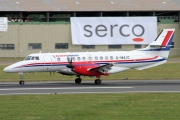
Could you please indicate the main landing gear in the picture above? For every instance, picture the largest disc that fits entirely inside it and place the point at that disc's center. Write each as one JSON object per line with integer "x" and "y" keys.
{"x": 78, "y": 81}
{"x": 97, "y": 81}
{"x": 21, "y": 82}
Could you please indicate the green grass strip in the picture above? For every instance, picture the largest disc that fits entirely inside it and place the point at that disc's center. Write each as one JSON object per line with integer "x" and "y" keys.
{"x": 135, "y": 106}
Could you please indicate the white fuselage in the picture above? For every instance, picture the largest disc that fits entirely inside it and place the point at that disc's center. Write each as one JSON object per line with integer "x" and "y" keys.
{"x": 57, "y": 62}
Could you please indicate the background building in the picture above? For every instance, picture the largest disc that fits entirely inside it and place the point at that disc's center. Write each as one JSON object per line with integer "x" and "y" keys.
{"x": 44, "y": 25}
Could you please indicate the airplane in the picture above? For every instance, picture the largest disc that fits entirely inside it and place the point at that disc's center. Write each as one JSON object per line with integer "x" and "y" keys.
{"x": 96, "y": 64}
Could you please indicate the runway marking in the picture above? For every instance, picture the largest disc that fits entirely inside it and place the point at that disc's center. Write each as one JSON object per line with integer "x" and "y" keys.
{"x": 66, "y": 88}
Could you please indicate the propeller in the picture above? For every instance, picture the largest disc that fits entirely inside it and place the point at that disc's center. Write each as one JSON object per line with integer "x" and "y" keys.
{"x": 69, "y": 59}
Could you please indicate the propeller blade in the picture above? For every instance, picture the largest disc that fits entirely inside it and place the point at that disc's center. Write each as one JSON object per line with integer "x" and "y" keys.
{"x": 69, "y": 59}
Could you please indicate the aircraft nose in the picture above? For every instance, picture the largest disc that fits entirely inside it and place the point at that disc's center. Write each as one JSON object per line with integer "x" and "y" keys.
{"x": 6, "y": 69}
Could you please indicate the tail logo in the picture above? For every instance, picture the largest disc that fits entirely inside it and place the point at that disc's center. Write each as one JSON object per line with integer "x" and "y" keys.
{"x": 167, "y": 38}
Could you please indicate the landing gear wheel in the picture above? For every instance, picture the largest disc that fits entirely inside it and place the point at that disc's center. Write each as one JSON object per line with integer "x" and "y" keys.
{"x": 78, "y": 80}
{"x": 21, "y": 82}
{"x": 97, "y": 81}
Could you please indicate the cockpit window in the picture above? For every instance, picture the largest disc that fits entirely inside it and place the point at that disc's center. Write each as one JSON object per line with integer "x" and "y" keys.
{"x": 32, "y": 58}
{"x": 28, "y": 58}
{"x": 36, "y": 58}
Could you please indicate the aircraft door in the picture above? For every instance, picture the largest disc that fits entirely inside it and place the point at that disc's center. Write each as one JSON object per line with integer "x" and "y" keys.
{"x": 47, "y": 63}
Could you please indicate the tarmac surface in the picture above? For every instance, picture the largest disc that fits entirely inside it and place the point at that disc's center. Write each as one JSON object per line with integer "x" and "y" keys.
{"x": 88, "y": 87}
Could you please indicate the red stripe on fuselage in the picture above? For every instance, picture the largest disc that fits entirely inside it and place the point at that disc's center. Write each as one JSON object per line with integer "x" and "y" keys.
{"x": 166, "y": 39}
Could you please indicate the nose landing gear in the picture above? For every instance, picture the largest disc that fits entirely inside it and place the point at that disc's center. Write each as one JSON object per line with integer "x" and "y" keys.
{"x": 21, "y": 82}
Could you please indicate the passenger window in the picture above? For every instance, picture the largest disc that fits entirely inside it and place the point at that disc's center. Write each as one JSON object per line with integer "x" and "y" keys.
{"x": 89, "y": 58}
{"x": 96, "y": 58}
{"x": 84, "y": 58}
{"x": 106, "y": 57}
{"x": 79, "y": 59}
{"x": 73, "y": 58}
{"x": 101, "y": 58}
{"x": 111, "y": 57}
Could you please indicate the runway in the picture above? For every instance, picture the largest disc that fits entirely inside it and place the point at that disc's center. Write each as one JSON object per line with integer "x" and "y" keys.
{"x": 69, "y": 87}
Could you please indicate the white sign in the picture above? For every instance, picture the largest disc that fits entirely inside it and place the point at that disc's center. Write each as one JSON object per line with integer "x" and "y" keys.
{"x": 113, "y": 30}
{"x": 3, "y": 24}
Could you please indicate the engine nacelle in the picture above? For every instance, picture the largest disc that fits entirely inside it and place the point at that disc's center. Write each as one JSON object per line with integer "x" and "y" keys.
{"x": 85, "y": 70}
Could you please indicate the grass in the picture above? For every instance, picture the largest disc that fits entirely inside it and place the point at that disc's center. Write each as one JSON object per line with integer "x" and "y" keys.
{"x": 11, "y": 59}
{"x": 165, "y": 71}
{"x": 142, "y": 106}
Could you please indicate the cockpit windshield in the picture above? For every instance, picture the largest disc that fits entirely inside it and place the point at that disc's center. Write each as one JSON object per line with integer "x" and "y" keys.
{"x": 32, "y": 58}
{"x": 28, "y": 58}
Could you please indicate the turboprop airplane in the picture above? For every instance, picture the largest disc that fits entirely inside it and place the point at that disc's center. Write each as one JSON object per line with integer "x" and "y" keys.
{"x": 97, "y": 63}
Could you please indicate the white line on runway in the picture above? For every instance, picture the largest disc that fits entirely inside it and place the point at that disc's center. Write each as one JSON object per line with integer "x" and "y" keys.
{"x": 66, "y": 88}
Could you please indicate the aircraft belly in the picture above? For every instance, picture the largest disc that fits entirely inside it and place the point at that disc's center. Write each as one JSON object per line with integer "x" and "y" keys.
{"x": 134, "y": 65}
{"x": 66, "y": 71}
{"x": 32, "y": 69}
{"x": 58, "y": 68}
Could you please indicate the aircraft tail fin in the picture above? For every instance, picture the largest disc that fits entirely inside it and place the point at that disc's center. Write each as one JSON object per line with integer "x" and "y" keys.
{"x": 162, "y": 44}
{"x": 164, "y": 39}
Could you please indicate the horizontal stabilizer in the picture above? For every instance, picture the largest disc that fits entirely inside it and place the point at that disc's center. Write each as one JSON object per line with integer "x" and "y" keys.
{"x": 152, "y": 65}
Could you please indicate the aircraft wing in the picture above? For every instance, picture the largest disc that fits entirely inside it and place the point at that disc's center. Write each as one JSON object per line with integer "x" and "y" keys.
{"x": 104, "y": 68}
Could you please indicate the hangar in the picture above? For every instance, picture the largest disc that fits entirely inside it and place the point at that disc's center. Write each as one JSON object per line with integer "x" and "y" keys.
{"x": 44, "y": 25}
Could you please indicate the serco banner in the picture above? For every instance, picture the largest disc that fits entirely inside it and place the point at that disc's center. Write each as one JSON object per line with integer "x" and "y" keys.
{"x": 113, "y": 30}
